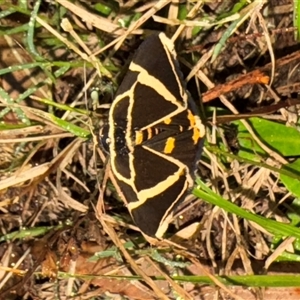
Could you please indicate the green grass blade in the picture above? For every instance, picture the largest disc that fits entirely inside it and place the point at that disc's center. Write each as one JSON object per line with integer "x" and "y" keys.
{"x": 274, "y": 227}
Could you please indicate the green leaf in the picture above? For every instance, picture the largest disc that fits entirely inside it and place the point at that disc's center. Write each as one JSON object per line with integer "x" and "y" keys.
{"x": 282, "y": 139}
{"x": 167, "y": 262}
{"x": 19, "y": 112}
{"x": 219, "y": 46}
{"x": 246, "y": 280}
{"x": 72, "y": 128}
{"x": 182, "y": 12}
{"x": 103, "y": 9}
{"x": 292, "y": 184}
{"x": 28, "y": 232}
{"x": 274, "y": 227}
{"x": 296, "y": 18}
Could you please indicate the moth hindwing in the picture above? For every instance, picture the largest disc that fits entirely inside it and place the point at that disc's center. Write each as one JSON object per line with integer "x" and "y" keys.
{"x": 154, "y": 136}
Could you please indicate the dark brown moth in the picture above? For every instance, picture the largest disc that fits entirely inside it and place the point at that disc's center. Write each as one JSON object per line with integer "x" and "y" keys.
{"x": 154, "y": 136}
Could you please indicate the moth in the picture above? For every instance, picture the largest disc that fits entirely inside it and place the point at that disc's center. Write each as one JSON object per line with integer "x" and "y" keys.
{"x": 154, "y": 136}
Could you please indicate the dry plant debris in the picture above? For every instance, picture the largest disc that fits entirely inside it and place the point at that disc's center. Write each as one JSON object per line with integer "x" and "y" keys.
{"x": 64, "y": 231}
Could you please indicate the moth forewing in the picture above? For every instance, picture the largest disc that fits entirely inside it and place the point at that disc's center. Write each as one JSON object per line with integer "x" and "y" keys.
{"x": 148, "y": 80}
{"x": 172, "y": 55}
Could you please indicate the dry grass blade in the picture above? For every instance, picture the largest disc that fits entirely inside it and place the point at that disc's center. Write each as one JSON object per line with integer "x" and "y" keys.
{"x": 27, "y": 174}
{"x": 216, "y": 281}
{"x": 191, "y": 14}
{"x": 95, "y": 20}
{"x": 227, "y": 103}
{"x": 33, "y": 139}
{"x": 10, "y": 274}
{"x": 287, "y": 243}
{"x": 51, "y": 171}
{"x": 158, "y": 6}
{"x": 114, "y": 237}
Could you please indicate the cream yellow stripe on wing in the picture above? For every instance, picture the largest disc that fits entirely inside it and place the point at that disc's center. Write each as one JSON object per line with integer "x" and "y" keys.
{"x": 175, "y": 162}
{"x": 160, "y": 187}
{"x": 144, "y": 195}
{"x": 113, "y": 154}
{"x": 145, "y": 78}
{"x": 167, "y": 217}
{"x": 129, "y": 181}
{"x": 172, "y": 56}
{"x": 130, "y": 94}
{"x": 163, "y": 185}
{"x": 168, "y": 44}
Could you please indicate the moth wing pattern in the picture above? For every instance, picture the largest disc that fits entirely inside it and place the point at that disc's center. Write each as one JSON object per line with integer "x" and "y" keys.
{"x": 154, "y": 173}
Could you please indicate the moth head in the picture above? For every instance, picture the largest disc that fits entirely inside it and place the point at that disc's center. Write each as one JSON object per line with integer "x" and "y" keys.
{"x": 104, "y": 139}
